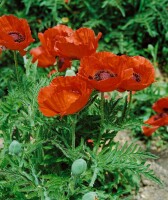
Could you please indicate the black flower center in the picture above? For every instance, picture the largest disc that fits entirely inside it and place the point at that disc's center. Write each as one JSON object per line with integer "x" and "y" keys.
{"x": 103, "y": 75}
{"x": 159, "y": 116}
{"x": 61, "y": 62}
{"x": 136, "y": 77}
{"x": 17, "y": 37}
{"x": 165, "y": 110}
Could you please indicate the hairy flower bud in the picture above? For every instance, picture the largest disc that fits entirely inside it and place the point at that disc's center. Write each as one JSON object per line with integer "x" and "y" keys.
{"x": 78, "y": 167}
{"x": 15, "y": 147}
{"x": 90, "y": 196}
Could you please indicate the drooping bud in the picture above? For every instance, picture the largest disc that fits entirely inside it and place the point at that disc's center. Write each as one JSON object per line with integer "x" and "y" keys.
{"x": 15, "y": 147}
{"x": 78, "y": 167}
{"x": 90, "y": 196}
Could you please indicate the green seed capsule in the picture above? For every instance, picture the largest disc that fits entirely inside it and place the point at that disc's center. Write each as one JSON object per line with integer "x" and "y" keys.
{"x": 78, "y": 167}
{"x": 15, "y": 147}
{"x": 90, "y": 196}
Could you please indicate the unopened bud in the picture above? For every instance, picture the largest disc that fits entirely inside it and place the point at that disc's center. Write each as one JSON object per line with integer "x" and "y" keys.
{"x": 78, "y": 167}
{"x": 90, "y": 196}
{"x": 15, "y": 147}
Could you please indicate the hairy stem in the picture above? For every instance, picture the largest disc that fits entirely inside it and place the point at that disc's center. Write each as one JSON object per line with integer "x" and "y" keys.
{"x": 16, "y": 64}
{"x": 73, "y": 131}
{"x": 94, "y": 177}
{"x": 101, "y": 120}
{"x": 124, "y": 110}
{"x": 130, "y": 100}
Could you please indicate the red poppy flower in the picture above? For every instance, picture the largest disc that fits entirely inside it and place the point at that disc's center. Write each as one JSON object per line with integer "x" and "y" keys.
{"x": 41, "y": 55}
{"x": 149, "y": 130}
{"x": 161, "y": 105}
{"x": 64, "y": 96}
{"x": 82, "y": 42}
{"x": 143, "y": 74}
{"x": 15, "y": 33}
{"x": 103, "y": 70}
{"x": 51, "y": 35}
{"x": 160, "y": 119}
{"x": 46, "y": 53}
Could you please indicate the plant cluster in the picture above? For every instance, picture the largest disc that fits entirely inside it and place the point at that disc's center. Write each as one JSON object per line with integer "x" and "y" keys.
{"x": 59, "y": 130}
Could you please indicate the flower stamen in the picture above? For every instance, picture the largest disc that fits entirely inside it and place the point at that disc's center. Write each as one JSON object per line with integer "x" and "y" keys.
{"x": 103, "y": 75}
{"x": 17, "y": 37}
{"x": 136, "y": 77}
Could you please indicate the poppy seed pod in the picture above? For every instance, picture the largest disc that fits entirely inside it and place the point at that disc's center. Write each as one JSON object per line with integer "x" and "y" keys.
{"x": 78, "y": 167}
{"x": 90, "y": 196}
{"x": 15, "y": 147}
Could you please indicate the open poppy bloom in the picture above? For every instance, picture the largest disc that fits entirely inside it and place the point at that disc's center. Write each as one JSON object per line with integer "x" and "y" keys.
{"x": 143, "y": 74}
{"x": 41, "y": 55}
{"x": 64, "y": 96}
{"x": 15, "y": 33}
{"x": 46, "y": 54}
{"x": 103, "y": 70}
{"x": 160, "y": 119}
{"x": 52, "y": 35}
{"x": 82, "y": 42}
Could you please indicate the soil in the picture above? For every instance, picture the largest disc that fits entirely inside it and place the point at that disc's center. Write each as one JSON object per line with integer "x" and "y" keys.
{"x": 150, "y": 190}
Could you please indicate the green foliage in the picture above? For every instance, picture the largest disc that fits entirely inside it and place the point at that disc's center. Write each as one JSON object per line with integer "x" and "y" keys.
{"x": 42, "y": 170}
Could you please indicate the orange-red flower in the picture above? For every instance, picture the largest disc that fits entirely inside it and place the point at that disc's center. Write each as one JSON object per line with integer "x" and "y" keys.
{"x": 15, "y": 33}
{"x": 82, "y": 42}
{"x": 161, "y": 105}
{"x": 160, "y": 119}
{"x": 103, "y": 70}
{"x": 149, "y": 130}
{"x": 49, "y": 38}
{"x": 46, "y": 53}
{"x": 143, "y": 74}
{"x": 41, "y": 55}
{"x": 64, "y": 96}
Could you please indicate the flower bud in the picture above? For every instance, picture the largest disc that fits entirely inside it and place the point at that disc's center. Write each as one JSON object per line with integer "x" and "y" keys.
{"x": 15, "y": 147}
{"x": 90, "y": 196}
{"x": 78, "y": 167}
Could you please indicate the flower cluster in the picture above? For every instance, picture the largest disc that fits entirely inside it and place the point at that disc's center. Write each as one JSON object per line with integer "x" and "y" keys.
{"x": 60, "y": 45}
{"x": 160, "y": 119}
{"x": 101, "y": 71}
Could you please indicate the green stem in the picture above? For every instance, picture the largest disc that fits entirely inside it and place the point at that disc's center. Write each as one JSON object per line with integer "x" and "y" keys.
{"x": 125, "y": 110}
{"x": 102, "y": 107}
{"x": 16, "y": 64}
{"x": 130, "y": 100}
{"x": 73, "y": 131}
{"x": 94, "y": 177}
{"x": 101, "y": 121}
